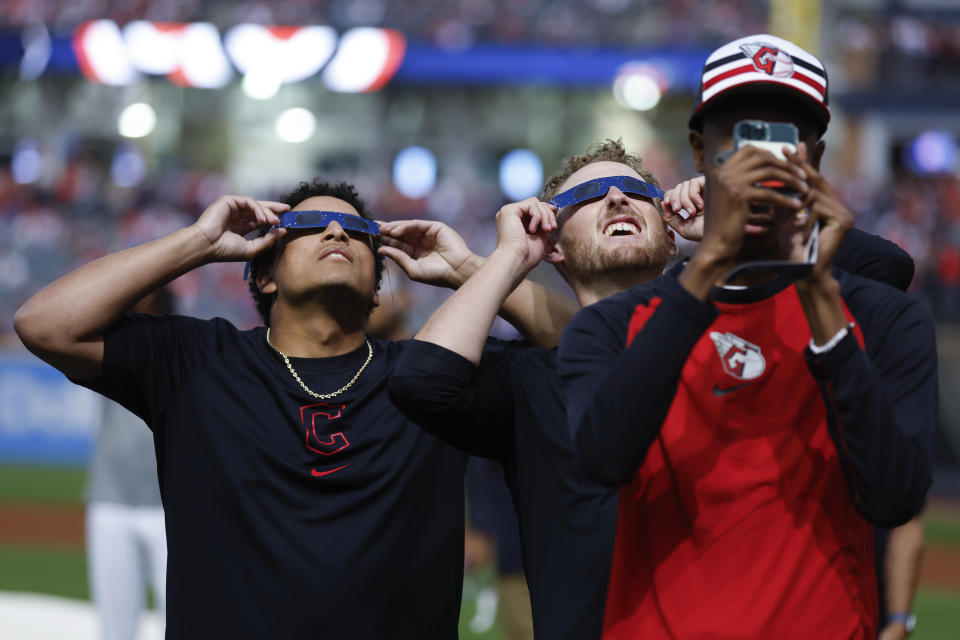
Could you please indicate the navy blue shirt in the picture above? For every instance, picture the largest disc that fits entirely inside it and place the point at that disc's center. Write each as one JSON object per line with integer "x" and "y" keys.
{"x": 875, "y": 258}
{"x": 510, "y": 408}
{"x": 288, "y": 517}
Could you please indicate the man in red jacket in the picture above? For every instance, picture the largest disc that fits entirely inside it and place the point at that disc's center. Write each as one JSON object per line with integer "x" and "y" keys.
{"x": 757, "y": 428}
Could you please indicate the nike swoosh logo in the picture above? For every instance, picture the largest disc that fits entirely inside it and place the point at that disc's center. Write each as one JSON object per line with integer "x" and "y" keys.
{"x": 320, "y": 474}
{"x": 717, "y": 391}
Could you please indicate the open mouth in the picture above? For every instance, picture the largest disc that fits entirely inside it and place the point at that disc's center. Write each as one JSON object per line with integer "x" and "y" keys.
{"x": 337, "y": 254}
{"x": 621, "y": 227}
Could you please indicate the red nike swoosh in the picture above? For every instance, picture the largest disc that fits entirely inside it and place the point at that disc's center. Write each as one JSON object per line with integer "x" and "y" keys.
{"x": 320, "y": 474}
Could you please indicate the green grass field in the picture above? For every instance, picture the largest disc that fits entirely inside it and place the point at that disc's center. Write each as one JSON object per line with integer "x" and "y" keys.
{"x": 62, "y": 571}
{"x": 42, "y": 484}
{"x": 57, "y": 572}
{"x": 943, "y": 528}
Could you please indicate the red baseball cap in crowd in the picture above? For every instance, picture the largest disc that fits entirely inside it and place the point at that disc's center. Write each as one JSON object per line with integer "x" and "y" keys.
{"x": 763, "y": 64}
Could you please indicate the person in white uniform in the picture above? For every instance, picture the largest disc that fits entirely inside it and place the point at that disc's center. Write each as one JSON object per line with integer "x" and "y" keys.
{"x": 126, "y": 541}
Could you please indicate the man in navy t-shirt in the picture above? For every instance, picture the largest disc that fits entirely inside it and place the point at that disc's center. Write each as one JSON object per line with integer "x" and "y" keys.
{"x": 299, "y": 501}
{"x": 502, "y": 399}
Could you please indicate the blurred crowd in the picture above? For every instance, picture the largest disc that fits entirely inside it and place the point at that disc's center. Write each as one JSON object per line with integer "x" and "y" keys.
{"x": 906, "y": 49}
{"x": 47, "y": 230}
{"x": 880, "y": 40}
{"x": 922, "y": 215}
{"x": 453, "y": 24}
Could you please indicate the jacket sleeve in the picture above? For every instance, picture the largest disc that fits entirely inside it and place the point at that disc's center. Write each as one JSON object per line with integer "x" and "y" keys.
{"x": 470, "y": 407}
{"x": 874, "y": 257}
{"x": 882, "y": 413}
{"x": 619, "y": 396}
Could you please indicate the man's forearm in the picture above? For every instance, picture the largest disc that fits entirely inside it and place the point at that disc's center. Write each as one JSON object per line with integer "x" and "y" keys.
{"x": 703, "y": 273}
{"x": 462, "y": 323}
{"x": 823, "y": 306}
{"x": 537, "y": 312}
{"x": 78, "y": 308}
{"x": 886, "y": 466}
{"x": 902, "y": 564}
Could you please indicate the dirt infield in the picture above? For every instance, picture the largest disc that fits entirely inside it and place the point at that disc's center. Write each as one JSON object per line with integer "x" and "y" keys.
{"x": 41, "y": 524}
{"x": 63, "y": 526}
{"x": 941, "y": 567}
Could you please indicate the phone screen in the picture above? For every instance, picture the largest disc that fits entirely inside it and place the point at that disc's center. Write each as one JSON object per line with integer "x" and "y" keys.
{"x": 770, "y": 136}
{"x": 776, "y": 148}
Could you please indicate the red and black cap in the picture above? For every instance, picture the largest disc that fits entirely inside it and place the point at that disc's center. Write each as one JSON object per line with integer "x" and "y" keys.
{"x": 763, "y": 64}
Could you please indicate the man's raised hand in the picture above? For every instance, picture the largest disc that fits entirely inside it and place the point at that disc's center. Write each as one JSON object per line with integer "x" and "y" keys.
{"x": 824, "y": 207}
{"x": 734, "y": 186}
{"x": 685, "y": 198}
{"x": 523, "y": 230}
{"x": 729, "y": 192}
{"x": 428, "y": 251}
{"x": 225, "y": 222}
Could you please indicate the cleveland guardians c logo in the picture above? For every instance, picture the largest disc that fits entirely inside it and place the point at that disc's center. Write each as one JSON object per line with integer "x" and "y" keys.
{"x": 322, "y": 443}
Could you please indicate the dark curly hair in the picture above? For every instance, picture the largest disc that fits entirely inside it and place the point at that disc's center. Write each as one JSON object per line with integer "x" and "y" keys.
{"x": 340, "y": 191}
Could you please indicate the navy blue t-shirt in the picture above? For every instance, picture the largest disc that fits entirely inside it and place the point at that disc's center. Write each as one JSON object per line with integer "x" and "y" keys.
{"x": 288, "y": 517}
{"x": 510, "y": 408}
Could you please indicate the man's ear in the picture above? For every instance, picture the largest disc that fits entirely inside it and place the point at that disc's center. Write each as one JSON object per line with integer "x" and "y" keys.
{"x": 265, "y": 280}
{"x": 553, "y": 253}
{"x": 673, "y": 242}
{"x": 699, "y": 150}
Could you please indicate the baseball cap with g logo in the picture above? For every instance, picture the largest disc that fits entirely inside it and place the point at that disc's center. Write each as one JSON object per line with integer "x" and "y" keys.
{"x": 763, "y": 64}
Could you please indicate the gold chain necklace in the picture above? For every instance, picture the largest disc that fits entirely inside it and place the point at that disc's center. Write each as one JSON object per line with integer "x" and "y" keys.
{"x": 322, "y": 396}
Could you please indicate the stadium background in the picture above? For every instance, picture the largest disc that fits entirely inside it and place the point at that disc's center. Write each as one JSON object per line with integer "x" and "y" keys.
{"x": 120, "y": 120}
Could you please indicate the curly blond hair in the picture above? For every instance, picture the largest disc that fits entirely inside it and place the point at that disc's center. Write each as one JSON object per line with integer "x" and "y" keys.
{"x": 609, "y": 150}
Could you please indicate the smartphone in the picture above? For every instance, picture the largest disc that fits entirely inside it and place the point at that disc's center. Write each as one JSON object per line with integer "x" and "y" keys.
{"x": 772, "y": 136}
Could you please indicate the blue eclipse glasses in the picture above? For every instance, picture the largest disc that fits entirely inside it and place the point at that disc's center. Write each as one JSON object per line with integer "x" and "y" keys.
{"x": 599, "y": 186}
{"x": 320, "y": 220}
